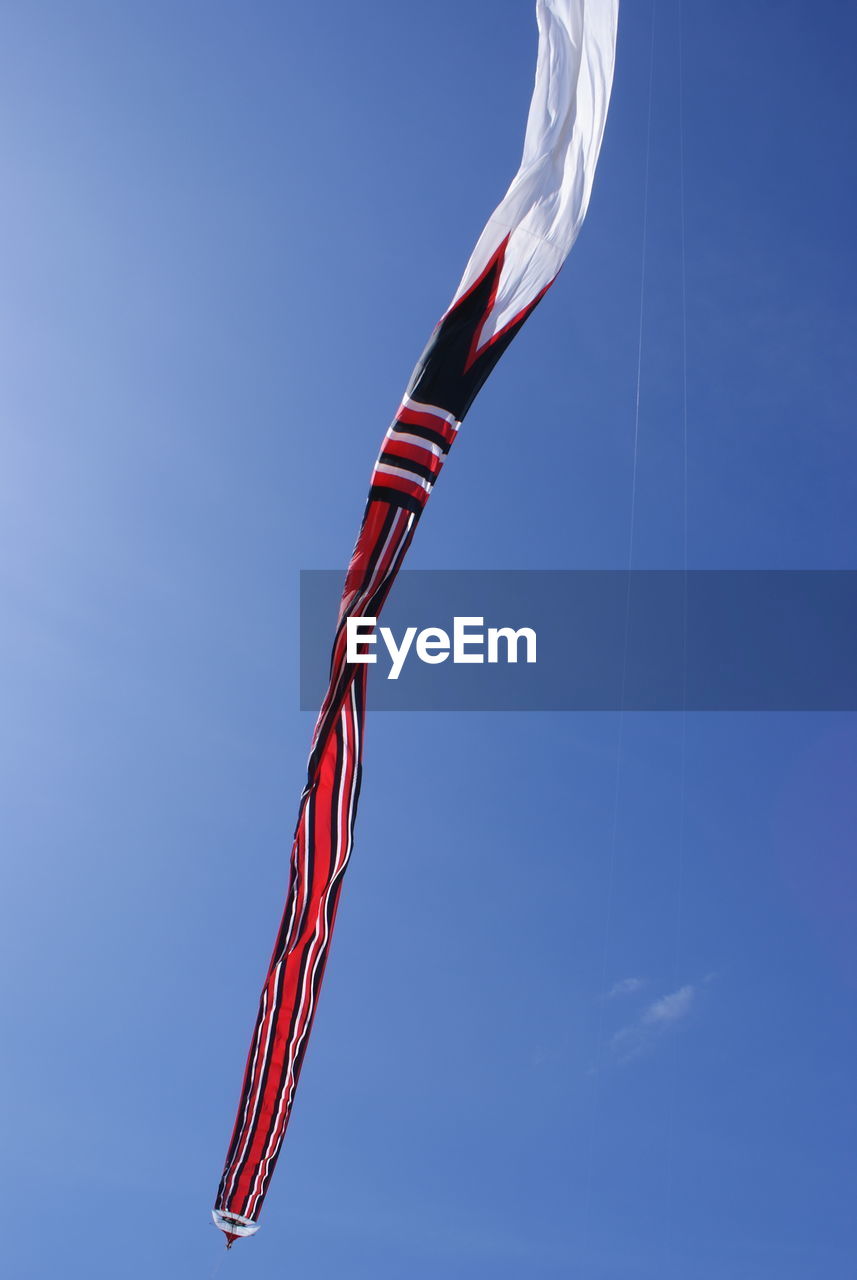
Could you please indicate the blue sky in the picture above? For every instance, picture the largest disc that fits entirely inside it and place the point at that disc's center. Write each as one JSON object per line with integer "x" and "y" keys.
{"x": 227, "y": 231}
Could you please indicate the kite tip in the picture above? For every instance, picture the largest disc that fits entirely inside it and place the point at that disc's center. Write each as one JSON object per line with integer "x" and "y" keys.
{"x": 233, "y": 1226}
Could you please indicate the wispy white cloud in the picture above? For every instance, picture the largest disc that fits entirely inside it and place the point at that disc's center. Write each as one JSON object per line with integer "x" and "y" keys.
{"x": 625, "y": 987}
{"x": 669, "y": 1008}
{"x": 638, "y": 1037}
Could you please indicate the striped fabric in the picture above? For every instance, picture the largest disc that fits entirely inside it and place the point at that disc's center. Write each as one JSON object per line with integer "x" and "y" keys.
{"x": 412, "y": 454}
{"x": 513, "y": 265}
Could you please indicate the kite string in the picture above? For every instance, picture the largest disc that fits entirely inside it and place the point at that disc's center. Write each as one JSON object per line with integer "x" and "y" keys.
{"x": 620, "y": 732}
{"x": 218, "y": 1265}
{"x": 682, "y": 819}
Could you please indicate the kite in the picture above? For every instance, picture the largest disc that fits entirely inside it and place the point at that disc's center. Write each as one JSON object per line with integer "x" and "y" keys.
{"x": 516, "y": 259}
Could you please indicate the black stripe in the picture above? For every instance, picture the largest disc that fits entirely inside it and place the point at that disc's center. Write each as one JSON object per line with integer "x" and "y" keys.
{"x": 408, "y": 464}
{"x": 425, "y": 433}
{"x": 380, "y": 541}
{"x": 380, "y": 493}
{"x": 294, "y": 889}
{"x": 390, "y": 518}
{"x": 309, "y": 818}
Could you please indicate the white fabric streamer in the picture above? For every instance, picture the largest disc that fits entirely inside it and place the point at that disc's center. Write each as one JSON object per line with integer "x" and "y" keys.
{"x": 543, "y": 210}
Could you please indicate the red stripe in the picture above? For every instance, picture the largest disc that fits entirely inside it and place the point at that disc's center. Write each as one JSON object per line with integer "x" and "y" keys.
{"x": 430, "y": 420}
{"x": 387, "y": 481}
{"x": 415, "y": 452}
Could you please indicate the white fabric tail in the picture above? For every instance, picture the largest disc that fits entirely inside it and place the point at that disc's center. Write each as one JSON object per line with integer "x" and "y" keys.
{"x": 543, "y": 210}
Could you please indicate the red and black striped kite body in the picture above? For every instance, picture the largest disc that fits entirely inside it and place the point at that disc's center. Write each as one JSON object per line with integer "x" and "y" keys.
{"x": 514, "y": 263}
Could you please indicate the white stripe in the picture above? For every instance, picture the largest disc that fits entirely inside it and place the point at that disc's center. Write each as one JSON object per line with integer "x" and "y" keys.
{"x": 396, "y": 562}
{"x": 432, "y": 409}
{"x": 417, "y": 441}
{"x": 384, "y": 468}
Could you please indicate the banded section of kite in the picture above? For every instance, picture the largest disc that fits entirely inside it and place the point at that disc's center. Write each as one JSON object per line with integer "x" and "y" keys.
{"x": 516, "y": 259}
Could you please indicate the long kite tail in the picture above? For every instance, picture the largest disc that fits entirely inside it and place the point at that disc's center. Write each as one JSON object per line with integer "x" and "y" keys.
{"x": 516, "y": 259}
